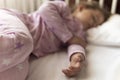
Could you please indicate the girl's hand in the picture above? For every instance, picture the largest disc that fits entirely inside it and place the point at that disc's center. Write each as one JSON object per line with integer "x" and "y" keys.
{"x": 75, "y": 65}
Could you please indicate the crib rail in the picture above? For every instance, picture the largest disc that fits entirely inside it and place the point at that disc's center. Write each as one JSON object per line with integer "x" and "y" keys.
{"x": 22, "y": 5}
{"x": 30, "y": 5}
{"x": 101, "y": 2}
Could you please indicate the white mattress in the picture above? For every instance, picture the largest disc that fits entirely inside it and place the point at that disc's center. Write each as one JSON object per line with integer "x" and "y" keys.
{"x": 103, "y": 63}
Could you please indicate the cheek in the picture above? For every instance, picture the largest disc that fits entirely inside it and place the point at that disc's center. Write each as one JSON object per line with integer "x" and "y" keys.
{"x": 87, "y": 17}
{"x": 84, "y": 18}
{"x": 101, "y": 20}
{"x": 78, "y": 15}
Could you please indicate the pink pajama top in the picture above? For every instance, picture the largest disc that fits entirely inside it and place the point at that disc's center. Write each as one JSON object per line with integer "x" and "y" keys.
{"x": 53, "y": 27}
{"x": 41, "y": 32}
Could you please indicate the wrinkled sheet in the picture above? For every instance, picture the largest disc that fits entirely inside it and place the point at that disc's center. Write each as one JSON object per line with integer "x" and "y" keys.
{"x": 102, "y": 64}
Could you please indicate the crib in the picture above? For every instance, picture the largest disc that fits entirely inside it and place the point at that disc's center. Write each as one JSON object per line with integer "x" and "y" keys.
{"x": 31, "y": 5}
{"x": 52, "y": 70}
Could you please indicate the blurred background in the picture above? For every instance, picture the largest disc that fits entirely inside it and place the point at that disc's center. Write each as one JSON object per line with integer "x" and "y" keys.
{"x": 27, "y": 6}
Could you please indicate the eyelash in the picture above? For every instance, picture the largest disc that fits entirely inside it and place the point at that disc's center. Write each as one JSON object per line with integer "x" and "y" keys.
{"x": 94, "y": 19}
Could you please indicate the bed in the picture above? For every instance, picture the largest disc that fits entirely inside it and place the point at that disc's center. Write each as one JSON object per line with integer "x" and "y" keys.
{"x": 103, "y": 50}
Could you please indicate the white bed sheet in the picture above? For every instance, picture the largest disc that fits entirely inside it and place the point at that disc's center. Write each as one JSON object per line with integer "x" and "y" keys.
{"x": 103, "y": 63}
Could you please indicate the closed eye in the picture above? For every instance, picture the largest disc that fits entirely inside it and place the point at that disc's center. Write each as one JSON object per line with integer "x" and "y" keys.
{"x": 94, "y": 18}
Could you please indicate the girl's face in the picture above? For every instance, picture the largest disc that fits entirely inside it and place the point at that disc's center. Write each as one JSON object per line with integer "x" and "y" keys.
{"x": 89, "y": 17}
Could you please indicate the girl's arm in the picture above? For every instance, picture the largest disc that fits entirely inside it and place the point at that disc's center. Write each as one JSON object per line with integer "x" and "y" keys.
{"x": 76, "y": 46}
{"x": 77, "y": 56}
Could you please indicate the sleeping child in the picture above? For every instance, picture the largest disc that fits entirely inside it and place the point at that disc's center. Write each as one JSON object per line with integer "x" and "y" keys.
{"x": 50, "y": 28}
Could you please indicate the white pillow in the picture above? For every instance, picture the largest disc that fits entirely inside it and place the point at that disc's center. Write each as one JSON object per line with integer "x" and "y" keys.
{"x": 106, "y": 34}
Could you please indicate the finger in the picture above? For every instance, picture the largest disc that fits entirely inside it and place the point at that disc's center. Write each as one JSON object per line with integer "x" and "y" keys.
{"x": 70, "y": 73}
{"x": 64, "y": 71}
{"x": 74, "y": 61}
{"x": 67, "y": 72}
{"x": 78, "y": 64}
{"x": 71, "y": 67}
{"x": 73, "y": 70}
{"x": 76, "y": 67}
{"x": 76, "y": 58}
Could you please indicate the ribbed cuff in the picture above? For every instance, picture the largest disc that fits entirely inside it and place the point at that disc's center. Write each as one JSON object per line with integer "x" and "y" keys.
{"x": 74, "y": 48}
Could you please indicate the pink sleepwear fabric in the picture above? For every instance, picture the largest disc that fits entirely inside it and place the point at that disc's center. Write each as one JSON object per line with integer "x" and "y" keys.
{"x": 41, "y": 32}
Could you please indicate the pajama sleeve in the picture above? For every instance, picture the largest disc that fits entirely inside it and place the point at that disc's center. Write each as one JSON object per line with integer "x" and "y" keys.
{"x": 52, "y": 13}
{"x": 78, "y": 32}
{"x": 74, "y": 48}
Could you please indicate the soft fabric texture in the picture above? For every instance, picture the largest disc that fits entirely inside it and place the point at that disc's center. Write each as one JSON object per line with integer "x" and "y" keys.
{"x": 74, "y": 48}
{"x": 113, "y": 72}
{"x": 106, "y": 34}
{"x": 42, "y": 32}
{"x": 16, "y": 45}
